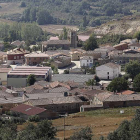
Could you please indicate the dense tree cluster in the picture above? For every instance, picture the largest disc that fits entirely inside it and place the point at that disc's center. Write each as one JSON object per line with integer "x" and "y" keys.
{"x": 118, "y": 84}
{"x": 73, "y": 11}
{"x": 42, "y": 131}
{"x": 91, "y": 43}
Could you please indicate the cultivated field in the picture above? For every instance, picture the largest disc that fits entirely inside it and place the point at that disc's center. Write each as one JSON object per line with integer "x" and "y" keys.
{"x": 102, "y": 122}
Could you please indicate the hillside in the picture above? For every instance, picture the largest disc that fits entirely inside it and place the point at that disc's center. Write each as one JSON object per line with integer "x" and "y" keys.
{"x": 71, "y": 12}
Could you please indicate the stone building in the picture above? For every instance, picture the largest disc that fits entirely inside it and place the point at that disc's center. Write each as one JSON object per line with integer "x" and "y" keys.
{"x": 61, "y": 44}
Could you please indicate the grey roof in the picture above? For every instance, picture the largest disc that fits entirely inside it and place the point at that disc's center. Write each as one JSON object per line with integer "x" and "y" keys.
{"x": 82, "y": 78}
{"x": 43, "y": 95}
{"x": 57, "y": 100}
{"x": 114, "y": 98}
{"x": 55, "y": 42}
{"x": 58, "y": 89}
{"x": 86, "y": 58}
{"x": 11, "y": 100}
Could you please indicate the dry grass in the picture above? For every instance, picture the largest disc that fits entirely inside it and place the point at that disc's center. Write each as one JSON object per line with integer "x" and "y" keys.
{"x": 10, "y": 8}
{"x": 56, "y": 29}
{"x": 102, "y": 122}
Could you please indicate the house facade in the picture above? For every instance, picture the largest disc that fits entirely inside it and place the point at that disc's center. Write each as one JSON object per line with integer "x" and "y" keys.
{"x": 86, "y": 61}
{"x": 35, "y": 58}
{"x": 108, "y": 71}
{"x": 16, "y": 56}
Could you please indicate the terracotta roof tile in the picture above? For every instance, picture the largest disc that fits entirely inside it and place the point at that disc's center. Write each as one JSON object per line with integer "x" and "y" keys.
{"x": 28, "y": 110}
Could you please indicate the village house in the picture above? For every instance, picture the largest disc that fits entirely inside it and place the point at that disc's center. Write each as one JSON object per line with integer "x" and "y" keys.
{"x": 125, "y": 57}
{"x": 86, "y": 61}
{"x": 122, "y": 101}
{"x": 60, "y": 60}
{"x": 3, "y": 57}
{"x": 108, "y": 71}
{"x": 135, "y": 46}
{"x": 61, "y": 44}
{"x": 35, "y": 58}
{"x": 26, "y": 111}
{"x": 16, "y": 56}
{"x": 6, "y": 103}
{"x": 100, "y": 97}
{"x": 3, "y": 75}
{"x": 66, "y": 104}
{"x": 17, "y": 77}
{"x": 121, "y": 46}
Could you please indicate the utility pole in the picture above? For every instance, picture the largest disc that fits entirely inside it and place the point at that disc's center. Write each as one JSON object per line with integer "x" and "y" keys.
{"x": 64, "y": 122}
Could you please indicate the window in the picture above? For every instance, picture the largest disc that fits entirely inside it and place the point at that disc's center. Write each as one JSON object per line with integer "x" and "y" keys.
{"x": 29, "y": 58}
{"x": 87, "y": 60}
{"x": 108, "y": 73}
{"x": 90, "y": 60}
{"x": 15, "y": 57}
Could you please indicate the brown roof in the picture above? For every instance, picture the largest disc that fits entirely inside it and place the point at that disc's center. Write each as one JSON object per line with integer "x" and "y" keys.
{"x": 126, "y": 92}
{"x": 28, "y": 110}
{"x": 102, "y": 96}
{"x": 57, "y": 84}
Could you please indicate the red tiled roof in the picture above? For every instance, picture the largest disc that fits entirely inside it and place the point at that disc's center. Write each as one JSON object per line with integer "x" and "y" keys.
{"x": 126, "y": 92}
{"x": 28, "y": 110}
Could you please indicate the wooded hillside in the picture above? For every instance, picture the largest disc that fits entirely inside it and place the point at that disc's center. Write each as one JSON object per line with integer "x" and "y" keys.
{"x": 74, "y": 12}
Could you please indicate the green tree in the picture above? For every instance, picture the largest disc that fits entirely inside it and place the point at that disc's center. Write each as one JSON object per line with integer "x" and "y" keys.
{"x": 90, "y": 82}
{"x": 31, "y": 79}
{"x": 44, "y": 17}
{"x": 84, "y": 21}
{"x": 23, "y": 4}
{"x": 91, "y": 43}
{"x": 136, "y": 83}
{"x": 43, "y": 131}
{"x": 118, "y": 84}
{"x": 132, "y": 68}
{"x": 137, "y": 35}
{"x": 97, "y": 79}
{"x": 83, "y": 134}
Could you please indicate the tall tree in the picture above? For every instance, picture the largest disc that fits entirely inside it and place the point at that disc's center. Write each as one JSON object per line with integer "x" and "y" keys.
{"x": 118, "y": 84}
{"x": 31, "y": 79}
{"x": 91, "y": 43}
{"x": 136, "y": 83}
{"x": 132, "y": 68}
